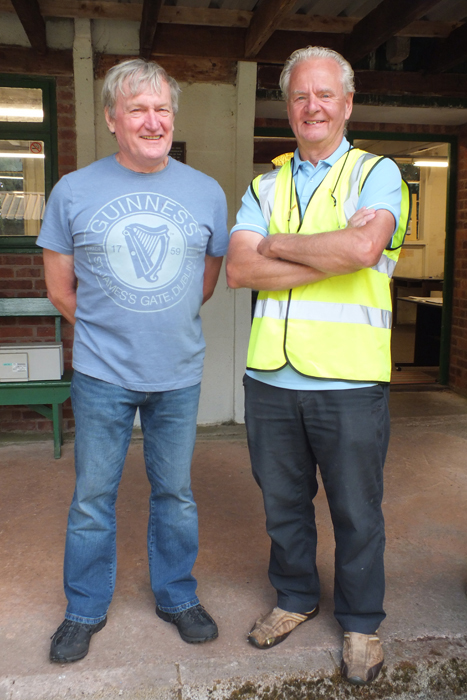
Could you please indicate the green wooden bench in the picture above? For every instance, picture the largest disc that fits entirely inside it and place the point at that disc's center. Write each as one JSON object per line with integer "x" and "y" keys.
{"x": 44, "y": 397}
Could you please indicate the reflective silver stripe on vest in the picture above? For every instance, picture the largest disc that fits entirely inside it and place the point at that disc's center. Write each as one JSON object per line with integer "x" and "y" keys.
{"x": 271, "y": 307}
{"x": 385, "y": 265}
{"x": 266, "y": 190}
{"x": 351, "y": 201}
{"x": 324, "y": 311}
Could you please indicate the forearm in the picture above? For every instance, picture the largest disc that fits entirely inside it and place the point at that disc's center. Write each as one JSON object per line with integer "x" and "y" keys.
{"x": 66, "y": 304}
{"x": 247, "y": 268}
{"x": 61, "y": 282}
{"x": 334, "y": 252}
{"x": 212, "y": 268}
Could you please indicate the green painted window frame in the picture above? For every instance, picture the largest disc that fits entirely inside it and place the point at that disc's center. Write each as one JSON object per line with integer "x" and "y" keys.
{"x": 45, "y": 131}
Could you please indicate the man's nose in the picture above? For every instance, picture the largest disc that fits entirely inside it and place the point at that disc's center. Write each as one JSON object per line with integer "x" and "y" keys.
{"x": 152, "y": 120}
{"x": 312, "y": 103}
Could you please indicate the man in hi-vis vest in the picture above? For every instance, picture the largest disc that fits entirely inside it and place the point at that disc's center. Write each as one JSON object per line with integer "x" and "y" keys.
{"x": 320, "y": 237}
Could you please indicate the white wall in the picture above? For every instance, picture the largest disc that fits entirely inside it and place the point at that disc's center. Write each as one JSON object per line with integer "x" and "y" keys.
{"x": 433, "y": 192}
{"x": 59, "y": 32}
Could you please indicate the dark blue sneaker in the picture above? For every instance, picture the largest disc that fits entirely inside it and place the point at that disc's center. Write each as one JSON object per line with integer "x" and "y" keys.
{"x": 194, "y": 625}
{"x": 71, "y": 641}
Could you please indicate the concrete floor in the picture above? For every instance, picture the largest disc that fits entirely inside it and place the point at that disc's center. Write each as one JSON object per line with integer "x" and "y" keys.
{"x": 137, "y": 655}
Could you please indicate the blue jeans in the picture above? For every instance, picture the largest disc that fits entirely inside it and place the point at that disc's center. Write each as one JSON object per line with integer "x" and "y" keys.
{"x": 346, "y": 434}
{"x": 104, "y": 415}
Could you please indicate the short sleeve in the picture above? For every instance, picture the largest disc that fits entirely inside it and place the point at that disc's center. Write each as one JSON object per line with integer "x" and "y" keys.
{"x": 219, "y": 239}
{"x": 55, "y": 233}
{"x": 250, "y": 217}
{"x": 382, "y": 189}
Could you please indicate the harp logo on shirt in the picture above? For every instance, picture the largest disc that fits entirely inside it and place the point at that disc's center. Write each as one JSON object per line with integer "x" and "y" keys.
{"x": 142, "y": 248}
{"x": 148, "y": 248}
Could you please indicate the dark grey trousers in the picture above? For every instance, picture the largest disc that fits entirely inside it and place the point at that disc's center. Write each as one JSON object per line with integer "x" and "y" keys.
{"x": 346, "y": 434}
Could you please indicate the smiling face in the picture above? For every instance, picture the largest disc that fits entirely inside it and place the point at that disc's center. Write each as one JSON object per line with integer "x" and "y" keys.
{"x": 143, "y": 125}
{"x": 317, "y": 107}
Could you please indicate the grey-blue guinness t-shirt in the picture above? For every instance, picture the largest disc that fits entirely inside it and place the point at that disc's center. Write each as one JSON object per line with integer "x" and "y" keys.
{"x": 139, "y": 242}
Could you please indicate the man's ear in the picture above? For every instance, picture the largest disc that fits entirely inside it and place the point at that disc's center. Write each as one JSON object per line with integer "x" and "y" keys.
{"x": 110, "y": 121}
{"x": 348, "y": 105}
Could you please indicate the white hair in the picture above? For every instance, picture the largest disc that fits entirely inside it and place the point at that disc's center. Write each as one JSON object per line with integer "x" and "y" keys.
{"x": 309, "y": 53}
{"x": 137, "y": 75}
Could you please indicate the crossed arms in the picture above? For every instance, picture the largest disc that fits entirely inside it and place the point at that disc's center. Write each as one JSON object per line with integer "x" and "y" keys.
{"x": 284, "y": 261}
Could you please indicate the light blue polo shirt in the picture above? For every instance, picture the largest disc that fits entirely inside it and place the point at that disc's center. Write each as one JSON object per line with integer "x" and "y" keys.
{"x": 382, "y": 190}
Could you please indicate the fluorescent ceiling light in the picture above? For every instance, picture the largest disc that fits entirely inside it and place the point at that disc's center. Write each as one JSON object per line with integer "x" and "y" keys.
{"x": 19, "y": 154}
{"x": 21, "y": 112}
{"x": 434, "y": 163}
{"x": 11, "y": 177}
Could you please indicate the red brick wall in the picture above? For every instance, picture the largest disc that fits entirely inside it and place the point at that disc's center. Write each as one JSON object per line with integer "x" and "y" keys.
{"x": 458, "y": 363}
{"x": 23, "y": 276}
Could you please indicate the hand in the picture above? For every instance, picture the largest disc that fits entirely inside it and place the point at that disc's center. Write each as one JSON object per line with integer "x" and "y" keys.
{"x": 361, "y": 217}
{"x": 264, "y": 246}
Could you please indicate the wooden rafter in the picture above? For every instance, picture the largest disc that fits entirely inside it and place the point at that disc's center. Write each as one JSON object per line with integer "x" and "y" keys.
{"x": 383, "y": 22}
{"x": 195, "y": 70}
{"x": 132, "y": 12}
{"x": 229, "y": 43}
{"x": 18, "y": 59}
{"x": 148, "y": 26}
{"x": 29, "y": 15}
{"x": 274, "y": 123}
{"x": 264, "y": 22}
{"x": 387, "y": 82}
{"x": 452, "y": 51}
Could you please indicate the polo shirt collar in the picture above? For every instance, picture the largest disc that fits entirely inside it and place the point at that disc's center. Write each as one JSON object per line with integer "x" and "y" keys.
{"x": 298, "y": 163}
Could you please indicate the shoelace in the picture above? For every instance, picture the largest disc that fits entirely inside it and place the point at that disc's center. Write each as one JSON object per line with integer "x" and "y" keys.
{"x": 66, "y": 630}
{"x": 195, "y": 613}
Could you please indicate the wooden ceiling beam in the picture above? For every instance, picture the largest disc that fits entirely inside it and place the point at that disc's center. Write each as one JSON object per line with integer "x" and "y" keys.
{"x": 148, "y": 26}
{"x": 389, "y": 17}
{"x": 21, "y": 60}
{"x": 264, "y": 22}
{"x": 229, "y": 43}
{"x": 29, "y": 15}
{"x": 203, "y": 42}
{"x": 402, "y": 83}
{"x": 132, "y": 12}
{"x": 387, "y": 82}
{"x": 185, "y": 69}
{"x": 282, "y": 44}
{"x": 451, "y": 51}
{"x": 266, "y": 122}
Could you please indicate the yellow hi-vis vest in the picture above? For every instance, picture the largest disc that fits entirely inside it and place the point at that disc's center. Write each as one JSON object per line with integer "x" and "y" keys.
{"x": 339, "y": 328}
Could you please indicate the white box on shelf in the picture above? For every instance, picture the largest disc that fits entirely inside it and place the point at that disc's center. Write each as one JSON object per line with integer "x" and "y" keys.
{"x": 31, "y": 362}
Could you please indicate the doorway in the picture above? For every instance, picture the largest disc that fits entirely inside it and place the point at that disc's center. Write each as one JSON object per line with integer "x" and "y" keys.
{"x": 422, "y": 280}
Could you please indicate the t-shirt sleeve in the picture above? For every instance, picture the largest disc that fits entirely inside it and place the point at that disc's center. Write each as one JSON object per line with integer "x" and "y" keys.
{"x": 219, "y": 239}
{"x": 250, "y": 217}
{"x": 382, "y": 189}
{"x": 55, "y": 233}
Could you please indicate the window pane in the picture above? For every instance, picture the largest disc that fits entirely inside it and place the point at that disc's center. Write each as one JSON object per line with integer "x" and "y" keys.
{"x": 22, "y": 188}
{"x": 21, "y": 105}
